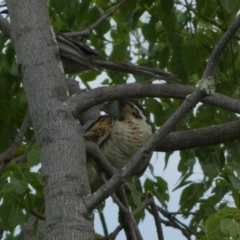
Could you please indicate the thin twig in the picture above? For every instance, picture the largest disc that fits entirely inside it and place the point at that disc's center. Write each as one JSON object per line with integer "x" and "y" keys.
{"x": 20, "y": 159}
{"x": 125, "y": 217}
{"x": 176, "y": 226}
{"x": 174, "y": 222}
{"x": 189, "y": 213}
{"x": 157, "y": 219}
{"x": 114, "y": 197}
{"x": 87, "y": 31}
{"x": 34, "y": 213}
{"x": 139, "y": 209}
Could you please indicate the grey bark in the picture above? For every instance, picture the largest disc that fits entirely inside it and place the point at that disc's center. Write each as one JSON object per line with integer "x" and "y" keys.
{"x": 58, "y": 134}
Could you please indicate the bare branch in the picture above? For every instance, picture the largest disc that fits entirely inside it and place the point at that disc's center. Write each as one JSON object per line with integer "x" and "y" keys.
{"x": 102, "y": 162}
{"x": 8, "y": 154}
{"x": 174, "y": 222}
{"x": 200, "y": 137}
{"x": 157, "y": 219}
{"x": 218, "y": 50}
{"x": 125, "y": 217}
{"x": 81, "y": 102}
{"x": 87, "y": 31}
{"x": 20, "y": 159}
{"x": 33, "y": 212}
{"x": 139, "y": 209}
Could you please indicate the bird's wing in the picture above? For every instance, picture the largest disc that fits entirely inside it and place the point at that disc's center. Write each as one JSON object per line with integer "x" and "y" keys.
{"x": 100, "y": 130}
{"x": 77, "y": 45}
{"x": 75, "y": 54}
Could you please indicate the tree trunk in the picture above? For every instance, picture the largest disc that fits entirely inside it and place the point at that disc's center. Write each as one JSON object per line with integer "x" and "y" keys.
{"x": 58, "y": 134}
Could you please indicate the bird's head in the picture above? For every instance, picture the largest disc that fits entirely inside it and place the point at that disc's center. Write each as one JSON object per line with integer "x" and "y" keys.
{"x": 130, "y": 108}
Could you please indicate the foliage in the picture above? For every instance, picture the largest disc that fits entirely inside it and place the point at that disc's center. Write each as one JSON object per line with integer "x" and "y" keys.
{"x": 174, "y": 35}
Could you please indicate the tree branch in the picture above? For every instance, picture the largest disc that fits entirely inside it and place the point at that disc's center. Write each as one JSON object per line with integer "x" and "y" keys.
{"x": 157, "y": 219}
{"x": 136, "y": 90}
{"x": 114, "y": 234}
{"x": 200, "y": 137}
{"x": 173, "y": 222}
{"x": 143, "y": 154}
{"x": 218, "y": 50}
{"x": 88, "y": 30}
{"x": 81, "y": 102}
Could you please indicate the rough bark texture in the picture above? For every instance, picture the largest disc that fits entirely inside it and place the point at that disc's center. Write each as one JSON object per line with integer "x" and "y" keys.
{"x": 58, "y": 134}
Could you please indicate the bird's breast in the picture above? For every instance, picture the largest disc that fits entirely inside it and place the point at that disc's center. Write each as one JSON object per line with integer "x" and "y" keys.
{"x": 125, "y": 140}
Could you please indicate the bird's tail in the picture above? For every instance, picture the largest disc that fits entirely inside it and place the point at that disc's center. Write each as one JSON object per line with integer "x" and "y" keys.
{"x": 109, "y": 65}
{"x": 77, "y": 57}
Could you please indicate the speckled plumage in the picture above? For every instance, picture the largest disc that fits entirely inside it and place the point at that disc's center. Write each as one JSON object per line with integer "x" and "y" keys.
{"x": 118, "y": 138}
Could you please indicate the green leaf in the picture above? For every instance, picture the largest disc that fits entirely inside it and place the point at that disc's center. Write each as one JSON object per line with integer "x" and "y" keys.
{"x": 176, "y": 64}
{"x": 167, "y": 5}
{"x": 135, "y": 17}
{"x": 33, "y": 158}
{"x": 222, "y": 223}
{"x": 5, "y": 209}
{"x": 234, "y": 181}
{"x": 191, "y": 195}
{"x": 89, "y": 76}
{"x": 161, "y": 191}
{"x": 149, "y": 32}
{"x": 73, "y": 6}
{"x": 58, "y": 5}
{"x": 127, "y": 10}
{"x": 191, "y": 58}
{"x": 229, "y": 5}
{"x": 164, "y": 57}
{"x": 15, "y": 216}
{"x": 120, "y": 53}
{"x": 167, "y": 156}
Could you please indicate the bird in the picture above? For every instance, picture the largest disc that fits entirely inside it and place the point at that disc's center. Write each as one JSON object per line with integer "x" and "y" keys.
{"x": 119, "y": 138}
{"x": 78, "y": 57}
